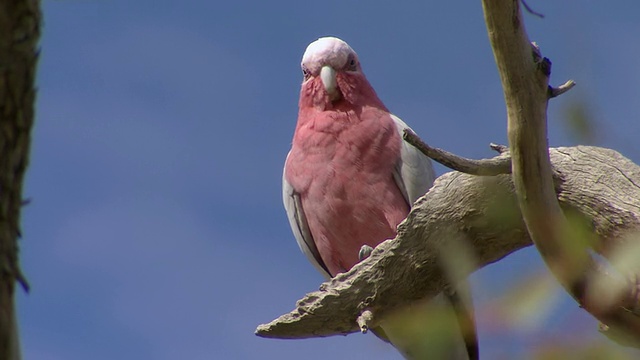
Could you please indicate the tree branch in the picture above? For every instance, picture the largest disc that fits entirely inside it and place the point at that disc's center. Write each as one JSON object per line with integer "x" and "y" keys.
{"x": 557, "y": 91}
{"x": 530, "y": 10}
{"x": 19, "y": 35}
{"x": 526, "y": 91}
{"x": 481, "y": 212}
{"x": 484, "y": 167}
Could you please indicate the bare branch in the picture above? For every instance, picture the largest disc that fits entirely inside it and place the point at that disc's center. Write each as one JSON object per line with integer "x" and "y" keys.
{"x": 500, "y": 149}
{"x": 525, "y": 84}
{"x": 484, "y": 167}
{"x": 481, "y": 212}
{"x": 530, "y": 10}
{"x": 555, "y": 92}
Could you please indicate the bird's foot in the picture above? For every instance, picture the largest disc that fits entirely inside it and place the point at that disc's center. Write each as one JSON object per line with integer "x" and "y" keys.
{"x": 365, "y": 252}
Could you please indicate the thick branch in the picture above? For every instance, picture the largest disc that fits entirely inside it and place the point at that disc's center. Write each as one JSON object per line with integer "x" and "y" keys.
{"x": 525, "y": 83}
{"x": 19, "y": 34}
{"x": 481, "y": 212}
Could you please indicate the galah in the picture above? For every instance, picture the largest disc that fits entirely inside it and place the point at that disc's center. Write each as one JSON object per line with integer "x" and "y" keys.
{"x": 350, "y": 178}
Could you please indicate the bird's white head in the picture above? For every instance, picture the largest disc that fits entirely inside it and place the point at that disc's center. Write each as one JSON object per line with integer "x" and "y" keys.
{"x": 326, "y": 56}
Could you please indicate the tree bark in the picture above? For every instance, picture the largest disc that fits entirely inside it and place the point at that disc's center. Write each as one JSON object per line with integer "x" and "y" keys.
{"x": 525, "y": 81}
{"x": 597, "y": 187}
{"x": 19, "y": 35}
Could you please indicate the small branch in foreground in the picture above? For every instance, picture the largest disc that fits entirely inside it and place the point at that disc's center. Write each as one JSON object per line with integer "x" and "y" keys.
{"x": 484, "y": 167}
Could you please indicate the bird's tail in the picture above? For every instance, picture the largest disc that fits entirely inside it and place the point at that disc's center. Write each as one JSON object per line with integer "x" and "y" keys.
{"x": 462, "y": 305}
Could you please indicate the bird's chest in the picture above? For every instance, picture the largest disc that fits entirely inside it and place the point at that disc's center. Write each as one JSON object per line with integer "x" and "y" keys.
{"x": 330, "y": 155}
{"x": 344, "y": 175}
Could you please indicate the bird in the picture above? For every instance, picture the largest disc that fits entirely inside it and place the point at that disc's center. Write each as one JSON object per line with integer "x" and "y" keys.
{"x": 350, "y": 179}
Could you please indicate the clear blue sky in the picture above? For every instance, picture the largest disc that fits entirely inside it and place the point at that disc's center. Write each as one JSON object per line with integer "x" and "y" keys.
{"x": 156, "y": 229}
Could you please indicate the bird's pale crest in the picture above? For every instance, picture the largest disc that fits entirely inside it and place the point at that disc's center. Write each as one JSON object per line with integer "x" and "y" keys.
{"x": 327, "y": 51}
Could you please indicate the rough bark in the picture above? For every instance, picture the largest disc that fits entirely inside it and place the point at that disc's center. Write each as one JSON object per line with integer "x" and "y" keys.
{"x": 597, "y": 186}
{"x": 525, "y": 81}
{"x": 19, "y": 35}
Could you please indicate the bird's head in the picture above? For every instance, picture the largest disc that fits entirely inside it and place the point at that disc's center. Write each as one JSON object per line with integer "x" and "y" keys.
{"x": 332, "y": 73}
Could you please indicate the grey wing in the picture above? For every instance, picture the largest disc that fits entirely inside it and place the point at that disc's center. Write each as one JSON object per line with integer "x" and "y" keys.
{"x": 414, "y": 173}
{"x": 300, "y": 228}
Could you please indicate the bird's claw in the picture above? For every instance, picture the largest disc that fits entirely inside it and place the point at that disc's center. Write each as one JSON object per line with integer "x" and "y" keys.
{"x": 365, "y": 252}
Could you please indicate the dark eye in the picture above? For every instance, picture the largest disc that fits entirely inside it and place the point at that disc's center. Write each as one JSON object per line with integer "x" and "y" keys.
{"x": 306, "y": 73}
{"x": 352, "y": 64}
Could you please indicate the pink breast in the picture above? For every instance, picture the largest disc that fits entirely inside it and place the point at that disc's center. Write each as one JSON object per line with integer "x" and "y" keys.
{"x": 342, "y": 165}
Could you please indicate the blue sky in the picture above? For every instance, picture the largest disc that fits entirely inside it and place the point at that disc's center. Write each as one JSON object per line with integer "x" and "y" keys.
{"x": 156, "y": 229}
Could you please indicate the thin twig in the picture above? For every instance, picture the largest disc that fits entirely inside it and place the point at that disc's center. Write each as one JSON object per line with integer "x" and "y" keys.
{"x": 554, "y": 92}
{"x": 22, "y": 280}
{"x": 530, "y": 10}
{"x": 501, "y": 149}
{"x": 483, "y": 167}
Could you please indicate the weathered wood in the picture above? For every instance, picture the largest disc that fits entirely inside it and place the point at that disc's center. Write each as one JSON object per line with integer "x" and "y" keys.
{"x": 525, "y": 81}
{"x": 480, "y": 214}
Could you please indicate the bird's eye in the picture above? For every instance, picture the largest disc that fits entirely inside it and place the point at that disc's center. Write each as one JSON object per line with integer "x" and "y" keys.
{"x": 352, "y": 64}
{"x": 306, "y": 73}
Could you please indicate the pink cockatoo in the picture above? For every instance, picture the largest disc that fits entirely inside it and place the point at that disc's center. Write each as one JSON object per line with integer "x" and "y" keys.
{"x": 350, "y": 178}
